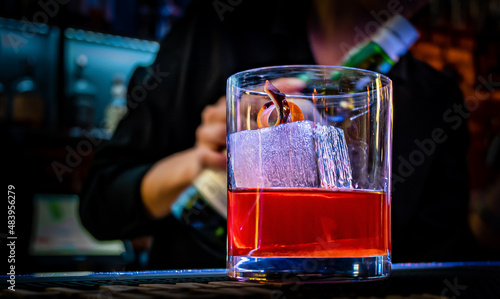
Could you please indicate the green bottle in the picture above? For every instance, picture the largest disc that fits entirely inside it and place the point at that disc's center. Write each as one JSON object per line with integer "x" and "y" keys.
{"x": 379, "y": 53}
{"x": 384, "y": 48}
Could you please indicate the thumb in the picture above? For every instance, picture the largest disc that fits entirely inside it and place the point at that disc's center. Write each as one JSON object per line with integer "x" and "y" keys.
{"x": 289, "y": 85}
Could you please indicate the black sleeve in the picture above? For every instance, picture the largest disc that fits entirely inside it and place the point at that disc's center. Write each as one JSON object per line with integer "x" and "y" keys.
{"x": 111, "y": 205}
{"x": 430, "y": 177}
{"x": 165, "y": 101}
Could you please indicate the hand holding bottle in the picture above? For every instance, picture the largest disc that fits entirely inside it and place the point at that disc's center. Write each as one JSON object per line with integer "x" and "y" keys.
{"x": 170, "y": 176}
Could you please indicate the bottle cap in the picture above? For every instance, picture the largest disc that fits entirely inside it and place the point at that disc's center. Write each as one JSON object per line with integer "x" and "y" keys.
{"x": 82, "y": 60}
{"x": 403, "y": 29}
{"x": 391, "y": 44}
{"x": 396, "y": 37}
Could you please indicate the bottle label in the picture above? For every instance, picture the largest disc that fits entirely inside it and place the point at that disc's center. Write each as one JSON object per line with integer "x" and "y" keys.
{"x": 212, "y": 185}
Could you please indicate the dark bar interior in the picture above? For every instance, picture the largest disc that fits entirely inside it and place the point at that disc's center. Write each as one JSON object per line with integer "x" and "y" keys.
{"x": 72, "y": 72}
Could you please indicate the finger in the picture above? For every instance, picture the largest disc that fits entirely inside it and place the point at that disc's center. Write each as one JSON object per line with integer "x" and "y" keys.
{"x": 289, "y": 85}
{"x": 221, "y": 101}
{"x": 212, "y": 159}
{"x": 214, "y": 113}
{"x": 212, "y": 136}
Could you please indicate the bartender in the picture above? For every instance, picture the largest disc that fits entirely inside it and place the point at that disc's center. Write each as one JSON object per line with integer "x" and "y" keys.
{"x": 176, "y": 127}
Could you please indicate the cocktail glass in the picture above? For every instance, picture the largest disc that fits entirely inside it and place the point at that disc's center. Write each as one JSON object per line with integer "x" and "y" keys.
{"x": 309, "y": 196}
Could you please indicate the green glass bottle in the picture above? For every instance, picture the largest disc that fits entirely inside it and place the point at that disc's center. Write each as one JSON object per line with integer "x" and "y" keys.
{"x": 384, "y": 48}
{"x": 379, "y": 53}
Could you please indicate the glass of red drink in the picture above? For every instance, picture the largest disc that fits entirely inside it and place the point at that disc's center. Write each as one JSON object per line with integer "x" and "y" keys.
{"x": 309, "y": 174}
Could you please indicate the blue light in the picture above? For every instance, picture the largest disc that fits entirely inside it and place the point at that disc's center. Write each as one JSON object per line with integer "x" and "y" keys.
{"x": 110, "y": 40}
{"x": 69, "y": 33}
{"x": 80, "y": 34}
{"x": 436, "y": 265}
{"x": 90, "y": 36}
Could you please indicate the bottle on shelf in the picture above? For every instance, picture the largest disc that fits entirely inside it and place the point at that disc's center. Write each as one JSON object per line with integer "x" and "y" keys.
{"x": 27, "y": 104}
{"x": 117, "y": 108}
{"x": 83, "y": 98}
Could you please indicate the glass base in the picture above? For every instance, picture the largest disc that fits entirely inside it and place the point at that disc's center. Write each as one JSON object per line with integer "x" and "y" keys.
{"x": 308, "y": 270}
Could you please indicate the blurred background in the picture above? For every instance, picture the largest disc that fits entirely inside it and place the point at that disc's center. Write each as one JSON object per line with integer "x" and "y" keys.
{"x": 64, "y": 70}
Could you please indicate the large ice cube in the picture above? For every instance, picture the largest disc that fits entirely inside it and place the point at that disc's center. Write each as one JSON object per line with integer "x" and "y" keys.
{"x": 334, "y": 166}
{"x": 280, "y": 156}
{"x": 298, "y": 154}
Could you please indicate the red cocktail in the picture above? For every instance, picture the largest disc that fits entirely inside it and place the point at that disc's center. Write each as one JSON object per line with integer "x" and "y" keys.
{"x": 307, "y": 222}
{"x": 309, "y": 174}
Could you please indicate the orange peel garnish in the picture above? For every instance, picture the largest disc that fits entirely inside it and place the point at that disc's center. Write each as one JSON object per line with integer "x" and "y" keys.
{"x": 264, "y": 114}
{"x": 287, "y": 111}
{"x": 295, "y": 112}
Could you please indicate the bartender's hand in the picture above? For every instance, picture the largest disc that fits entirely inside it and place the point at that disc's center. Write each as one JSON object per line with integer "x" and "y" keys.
{"x": 211, "y": 136}
{"x": 166, "y": 180}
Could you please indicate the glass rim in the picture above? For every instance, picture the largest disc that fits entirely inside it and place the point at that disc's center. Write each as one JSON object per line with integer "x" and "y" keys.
{"x": 386, "y": 81}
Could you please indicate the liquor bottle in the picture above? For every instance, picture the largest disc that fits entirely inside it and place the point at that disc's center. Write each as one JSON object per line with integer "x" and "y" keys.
{"x": 383, "y": 50}
{"x": 27, "y": 104}
{"x": 117, "y": 108}
{"x": 378, "y": 53}
{"x": 202, "y": 207}
{"x": 83, "y": 98}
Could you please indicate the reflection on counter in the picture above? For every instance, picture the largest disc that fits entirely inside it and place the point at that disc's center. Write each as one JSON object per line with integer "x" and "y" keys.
{"x": 60, "y": 240}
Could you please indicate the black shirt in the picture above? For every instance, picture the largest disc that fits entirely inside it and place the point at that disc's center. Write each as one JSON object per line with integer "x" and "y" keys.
{"x": 165, "y": 100}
